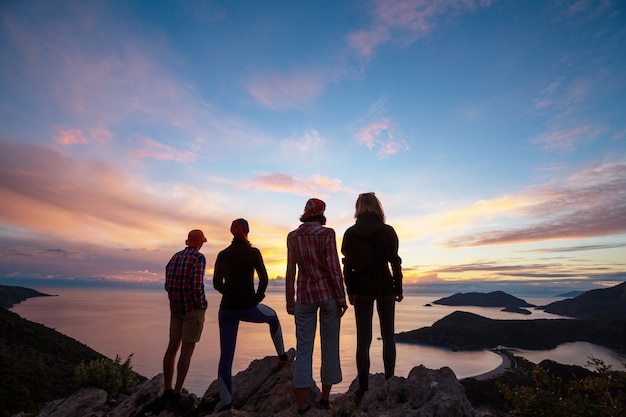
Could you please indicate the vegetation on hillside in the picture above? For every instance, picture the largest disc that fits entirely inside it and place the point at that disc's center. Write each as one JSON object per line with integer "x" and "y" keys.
{"x": 38, "y": 364}
{"x": 551, "y": 389}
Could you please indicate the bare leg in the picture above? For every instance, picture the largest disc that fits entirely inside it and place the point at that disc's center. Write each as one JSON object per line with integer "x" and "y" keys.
{"x": 168, "y": 363}
{"x": 326, "y": 391}
{"x": 301, "y": 397}
{"x": 183, "y": 365}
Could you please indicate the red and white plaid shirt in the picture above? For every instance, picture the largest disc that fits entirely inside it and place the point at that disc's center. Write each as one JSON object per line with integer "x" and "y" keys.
{"x": 313, "y": 248}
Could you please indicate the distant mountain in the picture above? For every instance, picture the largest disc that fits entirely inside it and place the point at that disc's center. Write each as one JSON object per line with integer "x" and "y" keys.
{"x": 462, "y": 330}
{"x": 607, "y": 302}
{"x": 571, "y": 294}
{"x": 479, "y": 299}
{"x": 11, "y": 295}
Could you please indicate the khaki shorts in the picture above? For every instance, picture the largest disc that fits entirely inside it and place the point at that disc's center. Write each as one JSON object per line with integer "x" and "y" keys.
{"x": 188, "y": 327}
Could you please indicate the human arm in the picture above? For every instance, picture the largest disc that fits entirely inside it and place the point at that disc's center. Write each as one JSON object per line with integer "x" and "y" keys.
{"x": 333, "y": 266}
{"x": 197, "y": 280}
{"x": 396, "y": 264}
{"x": 290, "y": 281}
{"x": 219, "y": 275}
{"x": 261, "y": 272}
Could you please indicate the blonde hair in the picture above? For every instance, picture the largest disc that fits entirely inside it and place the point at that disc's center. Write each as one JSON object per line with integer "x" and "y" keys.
{"x": 369, "y": 203}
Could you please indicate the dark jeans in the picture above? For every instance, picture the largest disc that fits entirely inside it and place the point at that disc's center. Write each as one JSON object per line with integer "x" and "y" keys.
{"x": 363, "y": 311}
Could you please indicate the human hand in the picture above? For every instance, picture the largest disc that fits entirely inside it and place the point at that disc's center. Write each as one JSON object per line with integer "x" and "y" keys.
{"x": 399, "y": 297}
{"x": 342, "y": 307}
{"x": 351, "y": 299}
{"x": 291, "y": 307}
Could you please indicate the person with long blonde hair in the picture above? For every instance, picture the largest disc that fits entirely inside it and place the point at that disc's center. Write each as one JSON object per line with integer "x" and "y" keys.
{"x": 372, "y": 273}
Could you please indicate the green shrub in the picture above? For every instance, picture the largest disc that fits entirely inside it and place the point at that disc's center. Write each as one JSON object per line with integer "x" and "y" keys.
{"x": 598, "y": 395}
{"x": 112, "y": 376}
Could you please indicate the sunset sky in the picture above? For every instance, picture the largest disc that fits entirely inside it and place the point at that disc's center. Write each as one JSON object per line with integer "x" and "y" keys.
{"x": 494, "y": 133}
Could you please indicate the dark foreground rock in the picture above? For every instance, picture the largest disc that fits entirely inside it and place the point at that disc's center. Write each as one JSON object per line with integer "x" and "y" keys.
{"x": 264, "y": 389}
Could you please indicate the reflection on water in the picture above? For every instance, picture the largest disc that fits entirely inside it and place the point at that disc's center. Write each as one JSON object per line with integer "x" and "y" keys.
{"x": 575, "y": 353}
{"x": 124, "y": 321}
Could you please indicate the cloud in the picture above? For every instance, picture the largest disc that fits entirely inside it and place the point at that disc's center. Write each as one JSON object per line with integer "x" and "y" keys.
{"x": 405, "y": 21}
{"x": 316, "y": 185}
{"x": 156, "y": 150}
{"x": 566, "y": 139}
{"x": 589, "y": 203}
{"x": 282, "y": 92}
{"x": 580, "y": 248}
{"x": 78, "y": 137}
{"x": 382, "y": 136}
{"x": 65, "y": 199}
{"x": 306, "y": 145}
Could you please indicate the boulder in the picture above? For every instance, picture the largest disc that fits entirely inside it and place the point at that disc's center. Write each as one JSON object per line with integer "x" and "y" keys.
{"x": 83, "y": 403}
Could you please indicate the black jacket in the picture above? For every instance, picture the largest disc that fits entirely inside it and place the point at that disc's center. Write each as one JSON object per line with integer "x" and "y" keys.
{"x": 234, "y": 276}
{"x": 370, "y": 248}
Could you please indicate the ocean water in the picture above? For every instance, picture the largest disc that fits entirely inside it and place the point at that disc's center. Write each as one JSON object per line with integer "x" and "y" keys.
{"x": 120, "y": 322}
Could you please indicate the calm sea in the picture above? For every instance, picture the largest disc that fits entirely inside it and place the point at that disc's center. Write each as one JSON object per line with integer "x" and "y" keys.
{"x": 124, "y": 321}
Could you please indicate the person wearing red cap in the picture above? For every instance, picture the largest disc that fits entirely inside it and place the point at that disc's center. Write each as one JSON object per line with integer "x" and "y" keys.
{"x": 370, "y": 249}
{"x": 312, "y": 253}
{"x": 184, "y": 283}
{"x": 233, "y": 277}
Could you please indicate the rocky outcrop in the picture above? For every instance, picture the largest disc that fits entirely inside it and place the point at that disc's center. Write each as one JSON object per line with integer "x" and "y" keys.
{"x": 265, "y": 389}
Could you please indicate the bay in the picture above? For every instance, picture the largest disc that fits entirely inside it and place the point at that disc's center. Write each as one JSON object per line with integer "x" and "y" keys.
{"x": 123, "y": 321}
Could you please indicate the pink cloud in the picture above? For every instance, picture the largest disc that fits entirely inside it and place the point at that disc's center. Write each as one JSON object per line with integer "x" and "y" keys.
{"x": 589, "y": 203}
{"x": 78, "y": 137}
{"x": 405, "y": 21}
{"x": 381, "y": 135}
{"x": 317, "y": 184}
{"x": 156, "y": 150}
{"x": 73, "y": 200}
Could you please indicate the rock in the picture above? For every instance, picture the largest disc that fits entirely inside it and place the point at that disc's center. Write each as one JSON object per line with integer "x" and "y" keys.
{"x": 83, "y": 403}
{"x": 141, "y": 397}
{"x": 264, "y": 390}
{"x": 424, "y": 393}
{"x": 261, "y": 388}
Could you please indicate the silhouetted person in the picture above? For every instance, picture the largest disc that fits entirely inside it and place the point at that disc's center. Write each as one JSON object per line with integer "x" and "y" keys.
{"x": 370, "y": 248}
{"x": 312, "y": 250}
{"x": 234, "y": 279}
{"x": 184, "y": 283}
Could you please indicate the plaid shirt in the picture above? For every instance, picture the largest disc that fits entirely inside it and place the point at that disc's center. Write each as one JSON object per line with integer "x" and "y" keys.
{"x": 313, "y": 248}
{"x": 184, "y": 281}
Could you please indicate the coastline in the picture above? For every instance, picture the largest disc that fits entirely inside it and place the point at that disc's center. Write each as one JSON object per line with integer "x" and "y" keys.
{"x": 501, "y": 369}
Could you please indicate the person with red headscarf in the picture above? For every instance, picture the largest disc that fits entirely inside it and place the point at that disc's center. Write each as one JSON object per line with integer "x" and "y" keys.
{"x": 233, "y": 277}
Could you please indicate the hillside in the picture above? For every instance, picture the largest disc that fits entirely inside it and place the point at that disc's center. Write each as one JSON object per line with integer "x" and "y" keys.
{"x": 37, "y": 363}
{"x": 11, "y": 295}
{"x": 479, "y": 299}
{"x": 606, "y": 302}
{"x": 462, "y": 330}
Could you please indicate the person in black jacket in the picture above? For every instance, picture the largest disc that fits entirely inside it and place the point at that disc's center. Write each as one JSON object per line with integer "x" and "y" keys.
{"x": 370, "y": 248}
{"x": 233, "y": 277}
